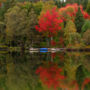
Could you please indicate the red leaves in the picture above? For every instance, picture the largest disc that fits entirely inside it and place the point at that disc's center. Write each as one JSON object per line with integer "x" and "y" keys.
{"x": 50, "y": 76}
{"x": 86, "y": 81}
{"x": 50, "y": 22}
{"x": 86, "y": 15}
{"x": 71, "y": 10}
{"x": 53, "y": 43}
{"x": 53, "y": 55}
{"x": 75, "y": 84}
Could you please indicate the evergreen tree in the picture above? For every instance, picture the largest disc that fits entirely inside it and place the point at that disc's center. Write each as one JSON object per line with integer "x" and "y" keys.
{"x": 79, "y": 20}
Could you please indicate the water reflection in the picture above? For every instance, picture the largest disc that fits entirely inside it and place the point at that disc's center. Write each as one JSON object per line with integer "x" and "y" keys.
{"x": 45, "y": 71}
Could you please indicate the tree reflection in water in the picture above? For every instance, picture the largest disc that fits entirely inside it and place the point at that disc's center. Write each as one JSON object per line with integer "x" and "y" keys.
{"x": 44, "y": 71}
{"x": 74, "y": 74}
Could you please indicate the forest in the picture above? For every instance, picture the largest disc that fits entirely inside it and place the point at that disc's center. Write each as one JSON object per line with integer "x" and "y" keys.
{"x": 44, "y": 23}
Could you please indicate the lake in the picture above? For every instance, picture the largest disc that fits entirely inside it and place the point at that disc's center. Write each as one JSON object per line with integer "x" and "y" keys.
{"x": 45, "y": 71}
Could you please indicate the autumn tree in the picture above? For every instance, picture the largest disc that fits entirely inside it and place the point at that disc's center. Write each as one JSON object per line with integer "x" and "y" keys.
{"x": 49, "y": 23}
{"x": 49, "y": 5}
{"x": 72, "y": 38}
{"x": 15, "y": 30}
{"x": 79, "y": 2}
{"x": 69, "y": 30}
{"x": 50, "y": 75}
{"x": 33, "y": 37}
{"x": 79, "y": 20}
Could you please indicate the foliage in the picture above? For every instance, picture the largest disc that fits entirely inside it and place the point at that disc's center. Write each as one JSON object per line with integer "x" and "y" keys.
{"x": 59, "y": 3}
{"x": 80, "y": 75}
{"x": 70, "y": 10}
{"x": 86, "y": 26}
{"x": 38, "y": 7}
{"x": 49, "y": 5}
{"x": 24, "y": 15}
{"x": 79, "y": 20}
{"x": 85, "y": 83}
{"x": 69, "y": 30}
{"x": 88, "y": 7}
{"x": 49, "y": 23}
{"x": 16, "y": 28}
{"x": 82, "y": 2}
{"x": 86, "y": 37}
{"x": 50, "y": 75}
{"x": 72, "y": 38}
{"x": 21, "y": 30}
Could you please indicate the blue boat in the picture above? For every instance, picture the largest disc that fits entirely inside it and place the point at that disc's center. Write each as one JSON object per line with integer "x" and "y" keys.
{"x": 43, "y": 49}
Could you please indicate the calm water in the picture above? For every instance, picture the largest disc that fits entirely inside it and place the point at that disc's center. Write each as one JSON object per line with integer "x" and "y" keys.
{"x": 45, "y": 71}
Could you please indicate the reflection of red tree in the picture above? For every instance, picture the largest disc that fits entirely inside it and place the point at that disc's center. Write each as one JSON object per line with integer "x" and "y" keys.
{"x": 61, "y": 56}
{"x": 86, "y": 81}
{"x": 53, "y": 55}
{"x": 53, "y": 43}
{"x": 61, "y": 41}
{"x": 50, "y": 76}
{"x": 75, "y": 84}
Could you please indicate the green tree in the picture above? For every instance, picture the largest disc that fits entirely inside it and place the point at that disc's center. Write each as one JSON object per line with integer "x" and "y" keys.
{"x": 59, "y": 3}
{"x": 88, "y": 7}
{"x": 86, "y": 26}
{"x": 21, "y": 32}
{"x": 69, "y": 29}
{"x": 72, "y": 38}
{"x": 32, "y": 36}
{"x": 16, "y": 20}
{"x": 79, "y": 20}
{"x": 38, "y": 7}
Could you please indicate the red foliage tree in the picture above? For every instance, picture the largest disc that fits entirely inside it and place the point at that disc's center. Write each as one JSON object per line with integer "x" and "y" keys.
{"x": 50, "y": 76}
{"x": 49, "y": 23}
{"x": 71, "y": 10}
{"x": 86, "y": 81}
{"x": 53, "y": 55}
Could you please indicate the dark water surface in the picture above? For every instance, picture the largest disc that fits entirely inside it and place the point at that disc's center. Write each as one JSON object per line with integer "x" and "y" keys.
{"x": 45, "y": 71}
